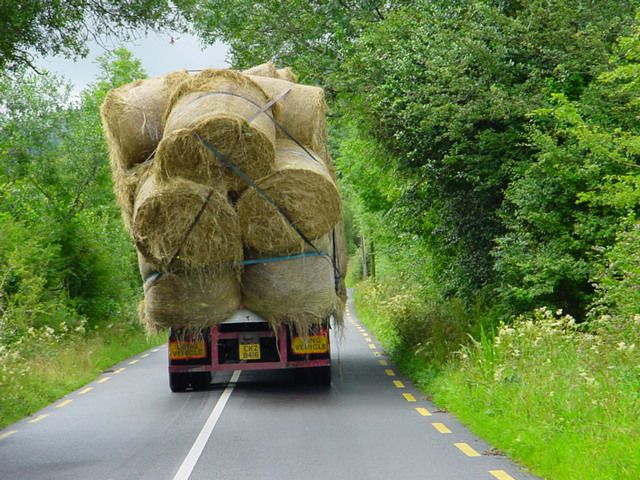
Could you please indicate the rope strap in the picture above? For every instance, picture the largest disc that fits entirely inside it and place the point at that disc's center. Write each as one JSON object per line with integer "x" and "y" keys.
{"x": 249, "y": 181}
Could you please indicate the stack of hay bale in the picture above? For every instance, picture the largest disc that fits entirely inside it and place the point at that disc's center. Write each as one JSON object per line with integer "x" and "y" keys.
{"x": 211, "y": 239}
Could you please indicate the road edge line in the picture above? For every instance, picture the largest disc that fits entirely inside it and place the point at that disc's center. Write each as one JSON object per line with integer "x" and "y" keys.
{"x": 189, "y": 463}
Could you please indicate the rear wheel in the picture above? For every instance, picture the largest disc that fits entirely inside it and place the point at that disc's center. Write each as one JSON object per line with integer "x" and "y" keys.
{"x": 200, "y": 380}
{"x": 180, "y": 381}
{"x": 320, "y": 376}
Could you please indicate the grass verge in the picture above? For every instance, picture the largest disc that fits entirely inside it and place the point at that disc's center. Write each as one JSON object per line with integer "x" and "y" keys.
{"x": 49, "y": 365}
{"x": 561, "y": 400}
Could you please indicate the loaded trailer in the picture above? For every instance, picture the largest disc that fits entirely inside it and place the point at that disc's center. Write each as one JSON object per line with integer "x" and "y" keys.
{"x": 247, "y": 342}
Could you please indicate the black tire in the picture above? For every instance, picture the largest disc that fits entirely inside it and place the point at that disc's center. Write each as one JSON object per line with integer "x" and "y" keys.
{"x": 321, "y": 376}
{"x": 200, "y": 380}
{"x": 178, "y": 382}
{"x": 318, "y": 376}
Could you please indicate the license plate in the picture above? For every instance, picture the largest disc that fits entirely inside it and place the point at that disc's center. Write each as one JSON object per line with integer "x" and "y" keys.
{"x": 312, "y": 344}
{"x": 186, "y": 350}
{"x": 249, "y": 351}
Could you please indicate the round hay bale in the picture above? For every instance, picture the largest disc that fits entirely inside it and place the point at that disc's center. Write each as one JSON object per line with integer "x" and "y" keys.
{"x": 164, "y": 213}
{"x": 298, "y": 292}
{"x": 125, "y": 186}
{"x": 191, "y": 300}
{"x": 302, "y": 112}
{"x": 285, "y": 74}
{"x": 263, "y": 70}
{"x": 132, "y": 117}
{"x": 303, "y": 189}
{"x": 217, "y": 105}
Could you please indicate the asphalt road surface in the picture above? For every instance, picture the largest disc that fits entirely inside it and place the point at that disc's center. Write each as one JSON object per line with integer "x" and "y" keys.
{"x": 370, "y": 424}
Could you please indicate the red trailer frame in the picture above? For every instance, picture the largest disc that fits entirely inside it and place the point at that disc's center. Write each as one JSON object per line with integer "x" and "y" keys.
{"x": 195, "y": 371}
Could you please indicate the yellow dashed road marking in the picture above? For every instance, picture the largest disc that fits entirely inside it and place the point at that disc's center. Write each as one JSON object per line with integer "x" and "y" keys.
{"x": 423, "y": 411}
{"x": 120, "y": 370}
{"x": 408, "y": 397}
{"x": 368, "y": 340}
{"x": 155, "y": 350}
{"x": 133, "y": 362}
{"x": 467, "y": 449}
{"x": 383, "y": 363}
{"x": 398, "y": 384}
{"x": 64, "y": 403}
{"x": 377, "y": 354}
{"x": 365, "y": 334}
{"x": 38, "y": 418}
{"x": 501, "y": 475}
{"x": 86, "y": 390}
{"x": 8, "y": 434}
{"x": 145, "y": 355}
{"x": 372, "y": 346}
{"x": 390, "y": 372}
{"x": 441, "y": 427}
{"x": 104, "y": 379}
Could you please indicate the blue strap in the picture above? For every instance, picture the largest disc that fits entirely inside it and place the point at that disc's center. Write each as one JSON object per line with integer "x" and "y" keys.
{"x": 255, "y": 261}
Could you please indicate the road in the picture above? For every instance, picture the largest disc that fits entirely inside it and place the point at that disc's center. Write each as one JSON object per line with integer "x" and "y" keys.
{"x": 370, "y": 424}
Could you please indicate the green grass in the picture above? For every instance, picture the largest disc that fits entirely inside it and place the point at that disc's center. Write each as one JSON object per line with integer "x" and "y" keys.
{"x": 559, "y": 400}
{"x": 49, "y": 368}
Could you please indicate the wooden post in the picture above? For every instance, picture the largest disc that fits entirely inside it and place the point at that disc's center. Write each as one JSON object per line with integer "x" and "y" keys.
{"x": 372, "y": 257}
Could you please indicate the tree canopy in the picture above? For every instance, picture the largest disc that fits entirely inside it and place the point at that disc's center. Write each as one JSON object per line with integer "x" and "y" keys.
{"x": 31, "y": 28}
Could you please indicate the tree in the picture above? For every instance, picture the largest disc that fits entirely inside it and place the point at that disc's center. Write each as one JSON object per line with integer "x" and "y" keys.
{"x": 65, "y": 256}
{"x": 40, "y": 27}
{"x": 314, "y": 37}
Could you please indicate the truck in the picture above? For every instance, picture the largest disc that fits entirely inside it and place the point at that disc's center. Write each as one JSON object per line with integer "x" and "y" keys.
{"x": 246, "y": 341}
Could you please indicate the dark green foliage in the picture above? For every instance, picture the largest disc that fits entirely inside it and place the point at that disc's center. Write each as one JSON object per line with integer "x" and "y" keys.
{"x": 65, "y": 260}
{"x": 314, "y": 37}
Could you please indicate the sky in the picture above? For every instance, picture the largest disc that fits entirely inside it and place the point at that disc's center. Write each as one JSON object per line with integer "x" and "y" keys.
{"x": 157, "y": 53}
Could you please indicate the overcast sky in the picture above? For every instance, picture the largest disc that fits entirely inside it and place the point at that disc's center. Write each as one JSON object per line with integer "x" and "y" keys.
{"x": 157, "y": 53}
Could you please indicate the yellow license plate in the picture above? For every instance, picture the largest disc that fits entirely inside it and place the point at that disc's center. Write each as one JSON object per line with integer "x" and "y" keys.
{"x": 312, "y": 344}
{"x": 249, "y": 351}
{"x": 185, "y": 350}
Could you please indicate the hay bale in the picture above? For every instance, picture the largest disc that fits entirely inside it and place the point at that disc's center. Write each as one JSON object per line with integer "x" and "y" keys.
{"x": 263, "y": 70}
{"x": 132, "y": 118}
{"x": 302, "y": 112}
{"x": 299, "y": 292}
{"x": 165, "y": 210}
{"x": 217, "y": 105}
{"x": 286, "y": 74}
{"x": 125, "y": 187}
{"x": 303, "y": 189}
{"x": 190, "y": 300}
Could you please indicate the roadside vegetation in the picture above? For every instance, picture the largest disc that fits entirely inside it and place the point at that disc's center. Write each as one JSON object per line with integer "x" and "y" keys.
{"x": 69, "y": 285}
{"x": 488, "y": 153}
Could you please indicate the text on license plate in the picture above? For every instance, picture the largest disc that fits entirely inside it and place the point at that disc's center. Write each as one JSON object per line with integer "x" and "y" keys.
{"x": 312, "y": 344}
{"x": 249, "y": 351}
{"x": 185, "y": 350}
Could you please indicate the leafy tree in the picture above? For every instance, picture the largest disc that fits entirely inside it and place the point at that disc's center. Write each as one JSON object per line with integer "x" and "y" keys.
{"x": 41, "y": 27}
{"x": 314, "y": 37}
{"x": 65, "y": 256}
{"x": 571, "y": 212}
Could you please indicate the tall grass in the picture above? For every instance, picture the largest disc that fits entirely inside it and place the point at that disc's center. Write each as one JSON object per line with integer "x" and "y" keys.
{"x": 562, "y": 399}
{"x": 48, "y": 364}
